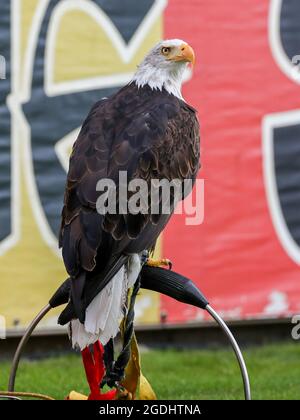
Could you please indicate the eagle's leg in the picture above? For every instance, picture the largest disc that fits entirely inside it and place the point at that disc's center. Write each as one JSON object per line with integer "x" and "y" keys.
{"x": 109, "y": 359}
{"x": 95, "y": 370}
{"x": 161, "y": 262}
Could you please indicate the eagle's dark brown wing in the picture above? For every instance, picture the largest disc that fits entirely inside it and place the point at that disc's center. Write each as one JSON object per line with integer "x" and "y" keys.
{"x": 150, "y": 135}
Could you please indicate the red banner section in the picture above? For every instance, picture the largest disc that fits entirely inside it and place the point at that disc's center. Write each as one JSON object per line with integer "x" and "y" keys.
{"x": 245, "y": 256}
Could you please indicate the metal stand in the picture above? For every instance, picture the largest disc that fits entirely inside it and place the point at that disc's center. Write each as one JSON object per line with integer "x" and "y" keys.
{"x": 25, "y": 338}
{"x": 236, "y": 349}
{"x": 210, "y": 310}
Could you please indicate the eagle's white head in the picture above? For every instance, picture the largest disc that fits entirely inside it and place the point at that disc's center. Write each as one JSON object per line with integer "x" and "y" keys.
{"x": 164, "y": 66}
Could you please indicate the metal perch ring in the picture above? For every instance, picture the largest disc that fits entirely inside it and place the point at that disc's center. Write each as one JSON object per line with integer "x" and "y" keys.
{"x": 173, "y": 285}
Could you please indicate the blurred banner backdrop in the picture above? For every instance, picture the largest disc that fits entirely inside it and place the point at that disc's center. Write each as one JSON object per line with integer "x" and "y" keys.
{"x": 64, "y": 55}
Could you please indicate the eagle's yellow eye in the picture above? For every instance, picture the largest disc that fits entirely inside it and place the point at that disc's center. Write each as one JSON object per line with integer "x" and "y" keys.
{"x": 165, "y": 50}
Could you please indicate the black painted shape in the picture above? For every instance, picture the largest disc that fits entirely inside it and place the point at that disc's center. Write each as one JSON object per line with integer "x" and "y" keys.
{"x": 287, "y": 170}
{"x": 5, "y": 123}
{"x": 52, "y": 118}
{"x": 290, "y": 27}
{"x": 126, "y": 14}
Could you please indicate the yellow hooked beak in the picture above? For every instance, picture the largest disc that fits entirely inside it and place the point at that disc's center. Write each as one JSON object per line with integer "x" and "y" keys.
{"x": 185, "y": 53}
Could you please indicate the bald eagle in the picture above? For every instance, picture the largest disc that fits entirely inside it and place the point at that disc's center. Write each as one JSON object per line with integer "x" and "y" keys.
{"x": 147, "y": 130}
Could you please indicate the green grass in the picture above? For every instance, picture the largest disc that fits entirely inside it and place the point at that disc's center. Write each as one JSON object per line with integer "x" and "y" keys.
{"x": 204, "y": 374}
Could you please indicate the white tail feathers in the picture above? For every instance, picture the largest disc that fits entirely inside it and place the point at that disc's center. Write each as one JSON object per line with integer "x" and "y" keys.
{"x": 105, "y": 312}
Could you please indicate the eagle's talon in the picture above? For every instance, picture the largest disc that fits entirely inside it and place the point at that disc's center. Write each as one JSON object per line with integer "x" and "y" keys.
{"x": 163, "y": 262}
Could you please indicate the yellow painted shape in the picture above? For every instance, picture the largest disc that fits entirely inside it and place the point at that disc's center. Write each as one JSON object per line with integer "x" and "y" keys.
{"x": 151, "y": 312}
{"x": 84, "y": 50}
{"x": 30, "y": 272}
{"x": 27, "y": 11}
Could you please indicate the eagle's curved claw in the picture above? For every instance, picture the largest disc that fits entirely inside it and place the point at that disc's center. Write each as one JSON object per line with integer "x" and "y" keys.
{"x": 162, "y": 262}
